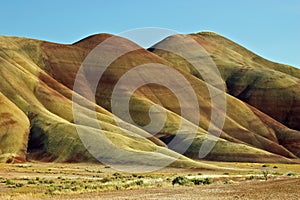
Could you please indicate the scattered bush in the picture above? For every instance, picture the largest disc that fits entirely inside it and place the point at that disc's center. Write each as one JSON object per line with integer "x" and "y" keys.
{"x": 50, "y": 191}
{"x": 139, "y": 182}
{"x": 180, "y": 180}
{"x": 9, "y": 182}
{"x": 105, "y": 180}
{"x": 48, "y": 181}
{"x": 74, "y": 188}
{"x": 208, "y": 181}
{"x": 19, "y": 185}
{"x": 291, "y": 174}
{"x": 265, "y": 174}
{"x": 74, "y": 182}
{"x": 118, "y": 175}
{"x": 85, "y": 186}
{"x": 227, "y": 181}
{"x": 31, "y": 182}
{"x": 277, "y": 174}
{"x": 197, "y": 181}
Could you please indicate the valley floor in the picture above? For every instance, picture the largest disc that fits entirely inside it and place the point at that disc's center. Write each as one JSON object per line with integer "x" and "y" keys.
{"x": 271, "y": 189}
{"x": 93, "y": 181}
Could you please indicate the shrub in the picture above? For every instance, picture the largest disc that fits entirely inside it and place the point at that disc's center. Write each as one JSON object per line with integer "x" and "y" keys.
{"x": 67, "y": 187}
{"x": 185, "y": 181}
{"x": 9, "y": 182}
{"x": 46, "y": 181}
{"x": 227, "y": 181}
{"x": 291, "y": 174}
{"x": 118, "y": 175}
{"x": 197, "y": 181}
{"x": 105, "y": 180}
{"x": 74, "y": 188}
{"x": 73, "y": 182}
{"x": 139, "y": 182}
{"x": 85, "y": 187}
{"x": 31, "y": 182}
{"x": 19, "y": 185}
{"x": 180, "y": 180}
{"x": 208, "y": 181}
{"x": 265, "y": 174}
{"x": 50, "y": 191}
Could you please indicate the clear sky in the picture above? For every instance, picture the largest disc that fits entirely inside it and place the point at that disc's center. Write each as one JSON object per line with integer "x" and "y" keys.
{"x": 270, "y": 28}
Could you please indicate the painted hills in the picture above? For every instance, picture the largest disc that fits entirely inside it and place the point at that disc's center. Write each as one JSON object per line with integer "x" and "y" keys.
{"x": 262, "y": 121}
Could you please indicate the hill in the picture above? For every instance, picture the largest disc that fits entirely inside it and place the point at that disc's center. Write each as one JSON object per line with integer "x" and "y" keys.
{"x": 37, "y": 79}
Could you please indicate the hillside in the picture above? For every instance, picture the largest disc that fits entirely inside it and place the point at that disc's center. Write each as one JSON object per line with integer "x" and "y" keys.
{"x": 37, "y": 101}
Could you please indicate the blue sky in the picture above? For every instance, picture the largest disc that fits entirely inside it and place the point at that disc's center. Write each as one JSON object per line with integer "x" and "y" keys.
{"x": 270, "y": 28}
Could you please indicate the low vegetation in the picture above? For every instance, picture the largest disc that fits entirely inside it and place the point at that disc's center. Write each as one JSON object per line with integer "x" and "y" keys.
{"x": 75, "y": 179}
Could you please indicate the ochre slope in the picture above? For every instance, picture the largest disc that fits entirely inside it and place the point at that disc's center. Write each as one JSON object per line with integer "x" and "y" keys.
{"x": 48, "y": 106}
{"x": 14, "y": 131}
{"x": 251, "y": 119}
{"x": 241, "y": 124}
{"x": 271, "y": 87}
{"x": 38, "y": 78}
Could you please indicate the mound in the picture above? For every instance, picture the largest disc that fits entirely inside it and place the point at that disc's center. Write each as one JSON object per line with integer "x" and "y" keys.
{"x": 37, "y": 80}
